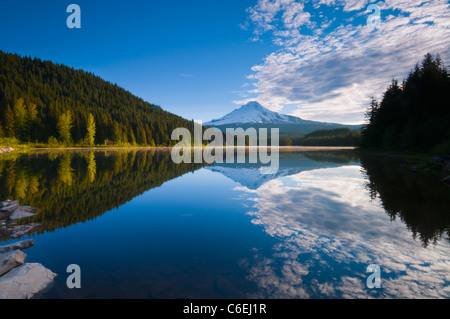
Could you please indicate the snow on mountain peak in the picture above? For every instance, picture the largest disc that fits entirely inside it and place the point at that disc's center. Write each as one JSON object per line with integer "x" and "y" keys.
{"x": 253, "y": 104}
{"x": 256, "y": 114}
{"x": 252, "y": 113}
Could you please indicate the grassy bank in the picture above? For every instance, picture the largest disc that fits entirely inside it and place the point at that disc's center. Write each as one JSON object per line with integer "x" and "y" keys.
{"x": 18, "y": 145}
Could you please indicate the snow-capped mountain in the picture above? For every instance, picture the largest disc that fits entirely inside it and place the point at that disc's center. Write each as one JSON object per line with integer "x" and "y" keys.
{"x": 255, "y": 113}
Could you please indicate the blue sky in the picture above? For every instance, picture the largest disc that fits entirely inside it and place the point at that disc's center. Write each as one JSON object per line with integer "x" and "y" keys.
{"x": 316, "y": 59}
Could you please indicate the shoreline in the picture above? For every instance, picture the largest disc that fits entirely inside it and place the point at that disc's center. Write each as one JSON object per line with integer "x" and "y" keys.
{"x": 169, "y": 148}
{"x": 7, "y": 149}
{"x": 19, "y": 280}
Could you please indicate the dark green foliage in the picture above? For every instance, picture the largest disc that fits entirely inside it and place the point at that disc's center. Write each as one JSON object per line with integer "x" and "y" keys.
{"x": 285, "y": 141}
{"x": 8, "y": 120}
{"x": 35, "y": 95}
{"x": 415, "y": 115}
{"x": 342, "y": 157}
{"x": 334, "y": 137}
{"x": 329, "y": 133}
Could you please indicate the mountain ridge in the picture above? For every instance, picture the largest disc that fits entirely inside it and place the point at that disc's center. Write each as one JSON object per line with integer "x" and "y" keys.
{"x": 253, "y": 113}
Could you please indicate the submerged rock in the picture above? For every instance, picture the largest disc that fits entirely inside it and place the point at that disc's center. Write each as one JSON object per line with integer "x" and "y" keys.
{"x": 443, "y": 161}
{"x": 21, "y": 212}
{"x": 10, "y": 212}
{"x": 18, "y": 245}
{"x": 26, "y": 281}
{"x": 11, "y": 260}
{"x": 20, "y": 230}
{"x": 11, "y": 206}
{"x": 447, "y": 180}
{"x": 4, "y": 215}
{"x": 5, "y": 203}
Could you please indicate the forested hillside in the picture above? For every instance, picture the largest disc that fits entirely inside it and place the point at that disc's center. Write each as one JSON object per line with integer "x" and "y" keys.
{"x": 43, "y": 102}
{"x": 414, "y": 115}
{"x": 332, "y": 137}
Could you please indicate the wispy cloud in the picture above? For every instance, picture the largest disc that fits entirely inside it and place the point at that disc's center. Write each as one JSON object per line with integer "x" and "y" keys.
{"x": 322, "y": 227}
{"x": 329, "y": 62}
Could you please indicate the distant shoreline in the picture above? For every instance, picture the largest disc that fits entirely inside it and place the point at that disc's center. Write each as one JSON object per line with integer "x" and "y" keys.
{"x": 169, "y": 148}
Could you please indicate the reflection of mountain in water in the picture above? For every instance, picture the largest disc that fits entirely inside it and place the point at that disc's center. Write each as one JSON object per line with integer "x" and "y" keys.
{"x": 250, "y": 175}
{"x": 73, "y": 187}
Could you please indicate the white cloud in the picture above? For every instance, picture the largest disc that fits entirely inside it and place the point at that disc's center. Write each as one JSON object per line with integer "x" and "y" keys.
{"x": 332, "y": 75}
{"x": 327, "y": 228}
{"x": 353, "y": 5}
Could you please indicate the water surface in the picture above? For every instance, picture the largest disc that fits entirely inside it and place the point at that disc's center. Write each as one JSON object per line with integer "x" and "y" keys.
{"x": 140, "y": 226}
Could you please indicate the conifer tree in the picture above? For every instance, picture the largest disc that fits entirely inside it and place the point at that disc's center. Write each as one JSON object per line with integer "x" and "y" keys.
{"x": 8, "y": 122}
{"x": 90, "y": 135}
{"x": 65, "y": 124}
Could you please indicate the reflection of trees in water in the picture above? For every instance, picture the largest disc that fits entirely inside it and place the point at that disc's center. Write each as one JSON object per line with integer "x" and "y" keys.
{"x": 73, "y": 187}
{"x": 339, "y": 157}
{"x": 328, "y": 230}
{"x": 419, "y": 200}
{"x": 92, "y": 167}
{"x": 65, "y": 170}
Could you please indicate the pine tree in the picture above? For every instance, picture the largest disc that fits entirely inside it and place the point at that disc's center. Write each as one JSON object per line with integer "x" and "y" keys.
{"x": 117, "y": 133}
{"x": 132, "y": 137}
{"x": 90, "y": 135}
{"x": 32, "y": 111}
{"x": 415, "y": 115}
{"x": 141, "y": 137}
{"x": 65, "y": 124}
{"x": 40, "y": 93}
{"x": 20, "y": 119}
{"x": 8, "y": 122}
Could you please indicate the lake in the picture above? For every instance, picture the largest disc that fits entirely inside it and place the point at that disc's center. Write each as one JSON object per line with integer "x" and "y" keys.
{"x": 141, "y": 226}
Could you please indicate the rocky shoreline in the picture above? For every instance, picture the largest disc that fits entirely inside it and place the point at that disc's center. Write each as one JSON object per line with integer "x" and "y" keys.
{"x": 6, "y": 149}
{"x": 444, "y": 162}
{"x": 19, "y": 280}
{"x": 10, "y": 213}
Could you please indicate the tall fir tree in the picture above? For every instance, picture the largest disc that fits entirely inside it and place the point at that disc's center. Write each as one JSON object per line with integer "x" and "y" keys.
{"x": 90, "y": 135}
{"x": 65, "y": 124}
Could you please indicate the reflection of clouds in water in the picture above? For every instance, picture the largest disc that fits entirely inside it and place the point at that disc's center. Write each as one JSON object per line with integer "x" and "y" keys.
{"x": 330, "y": 232}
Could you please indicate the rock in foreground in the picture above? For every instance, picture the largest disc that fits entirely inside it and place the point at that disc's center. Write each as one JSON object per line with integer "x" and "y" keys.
{"x": 11, "y": 260}
{"x": 26, "y": 281}
{"x": 27, "y": 243}
{"x": 19, "y": 280}
{"x": 9, "y": 207}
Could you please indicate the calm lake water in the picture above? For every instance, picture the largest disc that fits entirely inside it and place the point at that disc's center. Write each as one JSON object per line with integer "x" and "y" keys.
{"x": 140, "y": 226}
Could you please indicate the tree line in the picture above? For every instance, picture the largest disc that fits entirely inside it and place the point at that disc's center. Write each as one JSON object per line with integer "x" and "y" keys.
{"x": 414, "y": 115}
{"x": 43, "y": 102}
{"x": 333, "y": 137}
